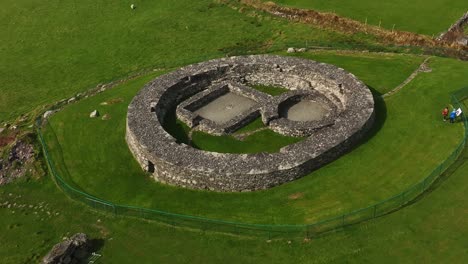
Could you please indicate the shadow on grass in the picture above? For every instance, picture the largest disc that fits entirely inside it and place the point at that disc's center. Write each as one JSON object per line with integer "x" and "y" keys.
{"x": 94, "y": 246}
{"x": 380, "y": 110}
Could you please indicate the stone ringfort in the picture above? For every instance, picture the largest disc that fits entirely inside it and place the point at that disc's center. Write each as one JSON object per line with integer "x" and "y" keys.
{"x": 333, "y": 110}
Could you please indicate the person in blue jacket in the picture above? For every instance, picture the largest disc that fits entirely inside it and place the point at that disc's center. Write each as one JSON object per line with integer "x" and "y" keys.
{"x": 453, "y": 115}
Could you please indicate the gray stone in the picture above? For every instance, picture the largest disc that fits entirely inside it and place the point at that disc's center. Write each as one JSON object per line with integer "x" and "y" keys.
{"x": 349, "y": 103}
{"x": 94, "y": 114}
{"x": 72, "y": 250}
{"x": 463, "y": 41}
{"x": 71, "y": 100}
{"x": 291, "y": 50}
{"x": 47, "y": 114}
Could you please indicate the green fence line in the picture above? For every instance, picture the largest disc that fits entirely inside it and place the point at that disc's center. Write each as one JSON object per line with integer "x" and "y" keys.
{"x": 264, "y": 230}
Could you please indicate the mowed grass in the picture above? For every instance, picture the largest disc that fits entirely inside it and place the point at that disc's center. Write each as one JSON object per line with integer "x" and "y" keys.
{"x": 254, "y": 125}
{"x": 53, "y": 50}
{"x": 261, "y": 141}
{"x": 410, "y": 140}
{"x": 271, "y": 90}
{"x": 424, "y": 17}
{"x": 367, "y": 65}
{"x": 432, "y": 230}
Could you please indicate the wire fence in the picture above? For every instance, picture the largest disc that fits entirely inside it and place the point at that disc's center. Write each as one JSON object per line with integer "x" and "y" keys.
{"x": 60, "y": 174}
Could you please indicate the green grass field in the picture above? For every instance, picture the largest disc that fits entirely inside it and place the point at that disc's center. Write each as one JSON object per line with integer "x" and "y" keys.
{"x": 432, "y": 230}
{"x": 54, "y": 50}
{"x": 424, "y": 17}
{"x": 409, "y": 142}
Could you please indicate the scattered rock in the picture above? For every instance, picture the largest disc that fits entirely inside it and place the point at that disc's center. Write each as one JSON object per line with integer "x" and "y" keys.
{"x": 48, "y": 114}
{"x": 94, "y": 114}
{"x": 425, "y": 68}
{"x": 463, "y": 41}
{"x": 1, "y": 129}
{"x": 72, "y": 250}
{"x": 302, "y": 50}
{"x": 106, "y": 117}
{"x": 296, "y": 196}
{"x": 112, "y": 101}
{"x": 23, "y": 118}
{"x": 102, "y": 87}
{"x": 291, "y": 50}
{"x": 14, "y": 167}
{"x": 71, "y": 100}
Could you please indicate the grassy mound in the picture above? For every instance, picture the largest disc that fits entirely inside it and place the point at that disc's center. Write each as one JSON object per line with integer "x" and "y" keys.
{"x": 432, "y": 229}
{"x": 408, "y": 142}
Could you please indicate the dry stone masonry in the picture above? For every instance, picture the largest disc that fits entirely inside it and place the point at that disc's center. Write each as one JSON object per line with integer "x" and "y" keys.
{"x": 330, "y": 106}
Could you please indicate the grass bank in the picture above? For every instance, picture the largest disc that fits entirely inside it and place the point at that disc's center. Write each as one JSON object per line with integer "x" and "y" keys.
{"x": 410, "y": 140}
{"x": 54, "y": 50}
{"x": 424, "y": 17}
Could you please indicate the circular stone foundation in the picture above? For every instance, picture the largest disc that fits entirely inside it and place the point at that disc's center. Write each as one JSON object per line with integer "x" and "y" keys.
{"x": 326, "y": 104}
{"x": 305, "y": 111}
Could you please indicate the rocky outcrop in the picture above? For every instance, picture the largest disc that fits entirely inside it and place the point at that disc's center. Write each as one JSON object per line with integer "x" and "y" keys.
{"x": 70, "y": 251}
{"x": 15, "y": 164}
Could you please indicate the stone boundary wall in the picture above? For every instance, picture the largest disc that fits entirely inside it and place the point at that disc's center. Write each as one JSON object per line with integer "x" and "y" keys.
{"x": 182, "y": 165}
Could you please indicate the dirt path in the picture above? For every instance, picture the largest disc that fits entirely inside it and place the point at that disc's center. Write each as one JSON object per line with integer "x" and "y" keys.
{"x": 422, "y": 68}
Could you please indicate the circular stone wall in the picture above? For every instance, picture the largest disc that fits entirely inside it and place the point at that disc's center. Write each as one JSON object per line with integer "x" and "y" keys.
{"x": 349, "y": 114}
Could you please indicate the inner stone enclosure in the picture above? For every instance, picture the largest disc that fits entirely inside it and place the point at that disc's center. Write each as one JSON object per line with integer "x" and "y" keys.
{"x": 225, "y": 108}
{"x": 326, "y": 104}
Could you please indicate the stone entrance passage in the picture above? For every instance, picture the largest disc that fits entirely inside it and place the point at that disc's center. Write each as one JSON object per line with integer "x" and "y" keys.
{"x": 225, "y": 107}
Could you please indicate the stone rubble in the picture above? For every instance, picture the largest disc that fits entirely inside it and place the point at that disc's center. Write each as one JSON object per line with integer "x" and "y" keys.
{"x": 71, "y": 250}
{"x": 94, "y": 114}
